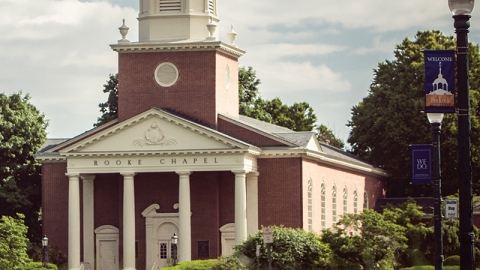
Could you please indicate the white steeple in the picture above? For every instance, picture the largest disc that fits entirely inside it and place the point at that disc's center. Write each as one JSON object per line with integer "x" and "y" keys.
{"x": 176, "y": 20}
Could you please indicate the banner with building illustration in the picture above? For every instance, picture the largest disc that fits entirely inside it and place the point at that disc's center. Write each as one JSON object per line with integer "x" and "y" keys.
{"x": 439, "y": 81}
{"x": 421, "y": 163}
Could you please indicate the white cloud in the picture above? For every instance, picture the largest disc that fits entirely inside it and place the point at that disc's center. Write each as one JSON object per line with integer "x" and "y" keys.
{"x": 300, "y": 77}
{"x": 58, "y": 52}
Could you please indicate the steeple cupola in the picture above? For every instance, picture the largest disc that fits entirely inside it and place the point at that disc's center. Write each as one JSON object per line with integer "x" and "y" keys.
{"x": 176, "y": 20}
{"x": 179, "y": 63}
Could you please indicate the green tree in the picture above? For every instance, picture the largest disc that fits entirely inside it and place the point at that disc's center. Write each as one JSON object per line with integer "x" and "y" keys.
{"x": 365, "y": 241}
{"x": 109, "y": 109}
{"x": 292, "y": 249}
{"x": 298, "y": 117}
{"x": 325, "y": 135}
{"x": 22, "y": 132}
{"x": 13, "y": 243}
{"x": 386, "y": 122}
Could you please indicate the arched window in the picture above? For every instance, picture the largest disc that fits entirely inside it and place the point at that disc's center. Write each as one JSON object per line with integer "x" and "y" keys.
{"x": 310, "y": 206}
{"x": 323, "y": 208}
{"x": 345, "y": 200}
{"x": 355, "y": 202}
{"x": 334, "y": 204}
{"x": 365, "y": 200}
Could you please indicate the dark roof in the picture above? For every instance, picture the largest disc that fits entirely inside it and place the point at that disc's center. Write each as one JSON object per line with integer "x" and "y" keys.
{"x": 425, "y": 202}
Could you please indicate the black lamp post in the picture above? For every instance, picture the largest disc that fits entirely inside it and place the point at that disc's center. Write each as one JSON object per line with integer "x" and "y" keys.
{"x": 45, "y": 251}
{"x": 174, "y": 249}
{"x": 461, "y": 10}
{"x": 435, "y": 120}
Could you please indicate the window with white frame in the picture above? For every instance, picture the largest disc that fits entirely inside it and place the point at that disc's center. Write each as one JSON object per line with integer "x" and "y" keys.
{"x": 323, "y": 207}
{"x": 345, "y": 200}
{"x": 355, "y": 202}
{"x": 334, "y": 204}
{"x": 365, "y": 200}
{"x": 310, "y": 206}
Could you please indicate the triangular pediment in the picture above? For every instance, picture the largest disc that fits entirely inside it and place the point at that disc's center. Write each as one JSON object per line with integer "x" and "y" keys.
{"x": 152, "y": 131}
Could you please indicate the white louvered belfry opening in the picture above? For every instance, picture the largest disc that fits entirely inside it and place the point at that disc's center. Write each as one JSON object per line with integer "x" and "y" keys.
{"x": 170, "y": 5}
{"x": 211, "y": 7}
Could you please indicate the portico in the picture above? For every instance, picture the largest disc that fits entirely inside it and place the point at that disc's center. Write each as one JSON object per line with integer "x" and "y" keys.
{"x": 86, "y": 160}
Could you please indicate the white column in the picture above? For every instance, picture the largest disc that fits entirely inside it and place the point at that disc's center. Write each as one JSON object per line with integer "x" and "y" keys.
{"x": 128, "y": 222}
{"x": 88, "y": 219}
{"x": 73, "y": 221}
{"x": 185, "y": 230}
{"x": 252, "y": 202}
{"x": 240, "y": 207}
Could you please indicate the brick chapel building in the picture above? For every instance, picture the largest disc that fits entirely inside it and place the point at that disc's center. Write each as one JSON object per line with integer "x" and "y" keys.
{"x": 181, "y": 160}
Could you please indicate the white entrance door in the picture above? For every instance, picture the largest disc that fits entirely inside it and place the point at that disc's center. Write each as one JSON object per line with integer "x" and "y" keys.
{"x": 166, "y": 253}
{"x": 108, "y": 255}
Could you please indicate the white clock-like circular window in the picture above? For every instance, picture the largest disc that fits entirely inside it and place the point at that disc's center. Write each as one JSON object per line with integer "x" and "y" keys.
{"x": 227, "y": 76}
{"x": 166, "y": 74}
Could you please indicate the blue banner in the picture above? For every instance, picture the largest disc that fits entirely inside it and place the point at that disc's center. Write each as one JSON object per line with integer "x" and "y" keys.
{"x": 421, "y": 163}
{"x": 439, "y": 81}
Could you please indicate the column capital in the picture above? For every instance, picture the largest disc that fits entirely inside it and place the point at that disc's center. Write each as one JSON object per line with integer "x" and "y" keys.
{"x": 70, "y": 175}
{"x": 87, "y": 177}
{"x": 253, "y": 174}
{"x": 240, "y": 172}
{"x": 128, "y": 174}
{"x": 183, "y": 173}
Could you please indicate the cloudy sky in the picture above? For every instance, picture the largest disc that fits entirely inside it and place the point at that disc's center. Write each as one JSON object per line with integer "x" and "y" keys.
{"x": 318, "y": 51}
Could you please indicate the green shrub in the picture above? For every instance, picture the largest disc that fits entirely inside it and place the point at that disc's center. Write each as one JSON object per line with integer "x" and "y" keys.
{"x": 193, "y": 265}
{"x": 228, "y": 263}
{"x": 292, "y": 249}
{"x": 13, "y": 243}
{"x": 452, "y": 260}
{"x": 39, "y": 266}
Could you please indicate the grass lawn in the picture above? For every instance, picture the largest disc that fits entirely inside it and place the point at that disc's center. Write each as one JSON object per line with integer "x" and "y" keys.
{"x": 431, "y": 267}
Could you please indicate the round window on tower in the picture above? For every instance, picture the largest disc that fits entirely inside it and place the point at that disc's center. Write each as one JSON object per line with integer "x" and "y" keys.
{"x": 166, "y": 74}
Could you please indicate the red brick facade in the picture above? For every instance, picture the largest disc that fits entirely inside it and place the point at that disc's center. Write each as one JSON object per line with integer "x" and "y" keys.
{"x": 199, "y": 93}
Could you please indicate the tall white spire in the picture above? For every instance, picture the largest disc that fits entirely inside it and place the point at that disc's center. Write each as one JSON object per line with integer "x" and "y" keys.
{"x": 176, "y": 20}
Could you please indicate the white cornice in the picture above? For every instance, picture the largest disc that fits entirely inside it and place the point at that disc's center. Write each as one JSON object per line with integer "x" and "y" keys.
{"x": 178, "y": 46}
{"x": 322, "y": 158}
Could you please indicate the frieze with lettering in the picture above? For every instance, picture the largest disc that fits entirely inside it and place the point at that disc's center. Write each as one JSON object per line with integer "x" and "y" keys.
{"x": 161, "y": 161}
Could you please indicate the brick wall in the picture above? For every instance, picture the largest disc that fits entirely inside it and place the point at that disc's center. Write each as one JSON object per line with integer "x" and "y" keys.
{"x": 342, "y": 180}
{"x": 55, "y": 204}
{"x": 194, "y": 94}
{"x": 280, "y": 192}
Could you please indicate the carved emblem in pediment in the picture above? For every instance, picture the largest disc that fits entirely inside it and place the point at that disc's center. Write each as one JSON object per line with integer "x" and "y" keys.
{"x": 154, "y": 136}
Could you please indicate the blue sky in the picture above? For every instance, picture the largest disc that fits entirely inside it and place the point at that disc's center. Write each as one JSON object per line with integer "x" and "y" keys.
{"x": 318, "y": 51}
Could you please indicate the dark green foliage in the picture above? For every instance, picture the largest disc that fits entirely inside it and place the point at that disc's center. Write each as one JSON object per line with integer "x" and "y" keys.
{"x": 109, "y": 109}
{"x": 388, "y": 120}
{"x": 22, "y": 132}
{"x": 292, "y": 249}
{"x": 13, "y": 243}
{"x": 55, "y": 255}
{"x": 325, "y": 135}
{"x": 298, "y": 117}
{"x": 452, "y": 260}
{"x": 193, "y": 265}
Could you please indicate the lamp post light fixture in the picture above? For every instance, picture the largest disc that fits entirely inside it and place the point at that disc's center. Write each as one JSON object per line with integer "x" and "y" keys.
{"x": 435, "y": 120}
{"x": 174, "y": 249}
{"x": 45, "y": 251}
{"x": 461, "y": 10}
